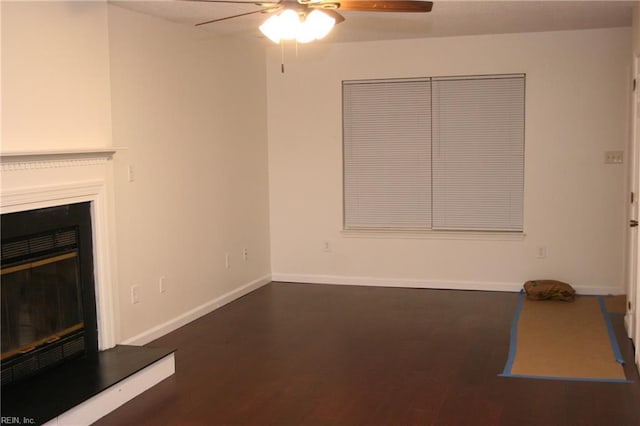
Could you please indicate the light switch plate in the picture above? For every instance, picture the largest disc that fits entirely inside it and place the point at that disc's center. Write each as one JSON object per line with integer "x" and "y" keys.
{"x": 613, "y": 157}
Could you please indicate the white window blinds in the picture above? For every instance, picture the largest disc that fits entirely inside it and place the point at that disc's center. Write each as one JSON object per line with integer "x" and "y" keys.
{"x": 478, "y": 153}
{"x": 387, "y": 164}
{"x": 441, "y": 153}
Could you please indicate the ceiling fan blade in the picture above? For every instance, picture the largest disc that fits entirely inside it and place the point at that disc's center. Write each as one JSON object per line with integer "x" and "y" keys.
{"x": 386, "y": 6}
{"x": 266, "y": 9}
{"x": 335, "y": 15}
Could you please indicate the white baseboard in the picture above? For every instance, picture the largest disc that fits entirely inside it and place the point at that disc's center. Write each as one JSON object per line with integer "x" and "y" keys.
{"x": 107, "y": 401}
{"x": 427, "y": 284}
{"x": 628, "y": 324}
{"x": 187, "y": 317}
{"x": 212, "y": 305}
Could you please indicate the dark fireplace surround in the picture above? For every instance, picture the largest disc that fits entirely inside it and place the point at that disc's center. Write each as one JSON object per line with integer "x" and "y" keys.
{"x": 48, "y": 292}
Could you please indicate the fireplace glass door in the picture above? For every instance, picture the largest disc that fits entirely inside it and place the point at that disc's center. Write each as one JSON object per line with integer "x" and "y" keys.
{"x": 41, "y": 303}
{"x": 47, "y": 289}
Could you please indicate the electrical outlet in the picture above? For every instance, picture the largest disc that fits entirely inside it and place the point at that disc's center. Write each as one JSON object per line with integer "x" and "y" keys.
{"x": 227, "y": 265}
{"x": 326, "y": 246}
{"x": 130, "y": 173}
{"x": 135, "y": 294}
{"x": 245, "y": 254}
{"x": 163, "y": 285}
{"x": 541, "y": 252}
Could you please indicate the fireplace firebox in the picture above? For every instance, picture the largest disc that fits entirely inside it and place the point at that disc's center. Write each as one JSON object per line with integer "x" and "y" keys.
{"x": 47, "y": 289}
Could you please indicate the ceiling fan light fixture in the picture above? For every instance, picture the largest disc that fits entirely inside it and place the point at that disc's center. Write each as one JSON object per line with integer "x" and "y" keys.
{"x": 288, "y": 25}
{"x": 271, "y": 28}
{"x": 319, "y": 24}
{"x": 305, "y": 35}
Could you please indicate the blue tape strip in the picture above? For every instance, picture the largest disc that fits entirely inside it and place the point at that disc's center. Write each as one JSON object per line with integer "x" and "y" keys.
{"x": 610, "y": 331}
{"x": 514, "y": 337}
{"x": 573, "y": 379}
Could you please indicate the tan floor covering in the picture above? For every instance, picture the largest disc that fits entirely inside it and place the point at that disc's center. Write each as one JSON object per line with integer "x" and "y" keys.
{"x": 564, "y": 339}
{"x": 616, "y": 304}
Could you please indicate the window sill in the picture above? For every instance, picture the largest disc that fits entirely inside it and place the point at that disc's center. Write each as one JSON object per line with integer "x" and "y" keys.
{"x": 434, "y": 234}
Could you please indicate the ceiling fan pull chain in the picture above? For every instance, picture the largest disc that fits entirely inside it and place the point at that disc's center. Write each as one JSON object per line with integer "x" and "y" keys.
{"x": 281, "y": 56}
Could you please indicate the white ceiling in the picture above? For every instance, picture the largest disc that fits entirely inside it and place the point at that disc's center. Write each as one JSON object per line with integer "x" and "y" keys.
{"x": 448, "y": 18}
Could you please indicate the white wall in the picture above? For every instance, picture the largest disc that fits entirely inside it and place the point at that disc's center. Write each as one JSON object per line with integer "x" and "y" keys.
{"x": 576, "y": 109}
{"x": 636, "y": 28}
{"x": 189, "y": 115}
{"x": 56, "y": 97}
{"x": 55, "y": 76}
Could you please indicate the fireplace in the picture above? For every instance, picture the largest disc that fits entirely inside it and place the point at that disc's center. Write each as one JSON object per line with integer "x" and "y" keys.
{"x": 67, "y": 197}
{"x": 48, "y": 291}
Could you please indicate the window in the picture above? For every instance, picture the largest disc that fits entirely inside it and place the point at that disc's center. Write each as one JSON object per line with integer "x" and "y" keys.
{"x": 443, "y": 153}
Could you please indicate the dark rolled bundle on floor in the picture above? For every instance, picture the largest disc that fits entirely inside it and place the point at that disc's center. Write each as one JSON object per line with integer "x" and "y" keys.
{"x": 549, "y": 290}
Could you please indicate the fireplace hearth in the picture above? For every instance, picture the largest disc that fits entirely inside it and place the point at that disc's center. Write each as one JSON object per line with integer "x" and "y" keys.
{"x": 48, "y": 292}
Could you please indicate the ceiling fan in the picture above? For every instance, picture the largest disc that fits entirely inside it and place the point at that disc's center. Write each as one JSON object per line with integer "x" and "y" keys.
{"x": 308, "y": 20}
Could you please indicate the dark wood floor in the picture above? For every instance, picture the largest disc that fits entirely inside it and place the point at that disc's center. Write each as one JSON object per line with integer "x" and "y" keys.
{"x": 292, "y": 354}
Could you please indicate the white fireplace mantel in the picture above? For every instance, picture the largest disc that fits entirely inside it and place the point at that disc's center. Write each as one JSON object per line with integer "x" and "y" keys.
{"x": 52, "y": 159}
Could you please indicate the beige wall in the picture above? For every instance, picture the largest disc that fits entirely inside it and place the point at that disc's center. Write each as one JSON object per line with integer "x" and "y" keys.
{"x": 189, "y": 115}
{"x": 187, "y": 111}
{"x": 55, "y": 76}
{"x": 636, "y": 28}
{"x": 576, "y": 109}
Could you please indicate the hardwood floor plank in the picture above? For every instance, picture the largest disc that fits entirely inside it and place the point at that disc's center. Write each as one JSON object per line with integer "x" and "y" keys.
{"x": 292, "y": 354}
